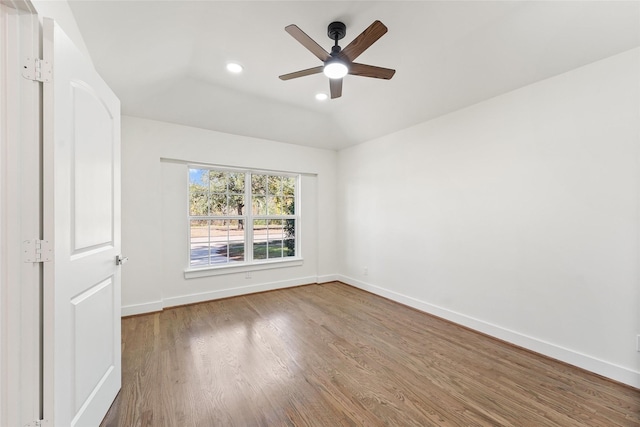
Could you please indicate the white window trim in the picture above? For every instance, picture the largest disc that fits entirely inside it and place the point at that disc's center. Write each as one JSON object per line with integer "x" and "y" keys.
{"x": 192, "y": 273}
{"x": 249, "y": 264}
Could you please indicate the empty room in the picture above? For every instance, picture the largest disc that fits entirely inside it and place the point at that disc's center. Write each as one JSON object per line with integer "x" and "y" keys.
{"x": 319, "y": 213}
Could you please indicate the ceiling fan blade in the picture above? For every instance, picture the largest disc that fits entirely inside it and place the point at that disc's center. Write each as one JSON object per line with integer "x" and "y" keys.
{"x": 336, "y": 88}
{"x": 307, "y": 42}
{"x": 302, "y": 73}
{"x": 364, "y": 40}
{"x": 370, "y": 71}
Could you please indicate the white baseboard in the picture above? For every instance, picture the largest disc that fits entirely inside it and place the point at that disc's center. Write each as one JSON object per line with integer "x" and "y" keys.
{"x": 150, "y": 307}
{"x": 133, "y": 309}
{"x": 328, "y": 278}
{"x": 232, "y": 292}
{"x": 600, "y": 367}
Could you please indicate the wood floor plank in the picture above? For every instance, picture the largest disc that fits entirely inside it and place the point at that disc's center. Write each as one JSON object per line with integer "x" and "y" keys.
{"x": 333, "y": 355}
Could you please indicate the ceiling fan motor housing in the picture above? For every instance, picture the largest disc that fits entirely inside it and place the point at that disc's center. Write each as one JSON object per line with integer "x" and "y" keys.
{"x": 336, "y": 31}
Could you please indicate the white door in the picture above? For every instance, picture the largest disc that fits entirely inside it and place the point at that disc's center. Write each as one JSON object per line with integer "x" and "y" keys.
{"x": 81, "y": 116}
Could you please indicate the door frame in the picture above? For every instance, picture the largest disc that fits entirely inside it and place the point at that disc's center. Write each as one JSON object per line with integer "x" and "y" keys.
{"x": 20, "y": 218}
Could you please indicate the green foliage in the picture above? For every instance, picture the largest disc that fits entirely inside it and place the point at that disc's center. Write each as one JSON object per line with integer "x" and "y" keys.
{"x": 272, "y": 194}
{"x": 216, "y": 193}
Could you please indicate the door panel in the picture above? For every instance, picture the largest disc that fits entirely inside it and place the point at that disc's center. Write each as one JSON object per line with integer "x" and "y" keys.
{"x": 93, "y": 352}
{"x": 92, "y": 170}
{"x": 81, "y": 115}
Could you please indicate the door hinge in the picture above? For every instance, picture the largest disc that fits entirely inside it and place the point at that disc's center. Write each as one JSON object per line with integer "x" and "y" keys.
{"x": 37, "y": 251}
{"x": 37, "y": 69}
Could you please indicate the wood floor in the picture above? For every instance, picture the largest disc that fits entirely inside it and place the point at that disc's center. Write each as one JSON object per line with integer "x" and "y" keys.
{"x": 332, "y": 355}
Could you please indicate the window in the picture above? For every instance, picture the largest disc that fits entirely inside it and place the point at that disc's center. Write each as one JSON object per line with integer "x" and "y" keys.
{"x": 240, "y": 218}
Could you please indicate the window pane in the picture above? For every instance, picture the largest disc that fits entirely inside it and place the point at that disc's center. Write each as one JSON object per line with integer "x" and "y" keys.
{"x": 259, "y": 205}
{"x": 236, "y": 251}
{"x": 275, "y": 184}
{"x": 236, "y": 204}
{"x": 219, "y": 232}
{"x": 236, "y": 241}
{"x": 275, "y": 228}
{"x": 289, "y": 248}
{"x": 258, "y": 184}
{"x": 275, "y": 248}
{"x": 288, "y": 185}
{"x": 236, "y": 183}
{"x": 260, "y": 236}
{"x": 199, "y": 177}
{"x": 198, "y": 204}
{"x": 218, "y": 204}
{"x": 198, "y": 192}
{"x": 218, "y": 181}
{"x": 275, "y": 238}
{"x": 236, "y": 229}
{"x": 259, "y": 249}
{"x": 290, "y": 236}
{"x": 274, "y": 205}
{"x": 289, "y": 207}
{"x": 199, "y": 243}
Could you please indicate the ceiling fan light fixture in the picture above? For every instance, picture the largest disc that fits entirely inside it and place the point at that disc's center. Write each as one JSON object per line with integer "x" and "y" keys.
{"x": 335, "y": 69}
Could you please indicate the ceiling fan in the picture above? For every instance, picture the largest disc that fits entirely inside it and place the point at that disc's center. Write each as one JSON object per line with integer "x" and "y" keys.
{"x": 339, "y": 62}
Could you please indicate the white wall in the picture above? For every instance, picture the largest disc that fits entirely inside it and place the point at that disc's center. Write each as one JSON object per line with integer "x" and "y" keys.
{"x": 154, "y": 212}
{"x": 518, "y": 216}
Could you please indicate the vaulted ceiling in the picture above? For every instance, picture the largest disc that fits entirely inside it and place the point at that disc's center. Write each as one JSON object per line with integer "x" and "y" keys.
{"x": 166, "y": 59}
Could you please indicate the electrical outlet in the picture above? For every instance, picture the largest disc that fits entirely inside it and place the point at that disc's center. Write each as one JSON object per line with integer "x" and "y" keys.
{"x": 247, "y": 275}
{"x": 366, "y": 271}
{"x": 638, "y": 343}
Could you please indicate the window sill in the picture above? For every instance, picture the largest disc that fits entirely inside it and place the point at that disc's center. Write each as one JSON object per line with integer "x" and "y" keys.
{"x": 193, "y": 273}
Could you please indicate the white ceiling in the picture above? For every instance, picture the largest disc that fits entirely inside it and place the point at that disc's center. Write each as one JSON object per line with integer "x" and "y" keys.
{"x": 166, "y": 59}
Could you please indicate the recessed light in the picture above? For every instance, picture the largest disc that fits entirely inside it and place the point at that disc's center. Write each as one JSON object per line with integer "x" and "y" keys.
{"x": 321, "y": 96}
{"x": 232, "y": 67}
